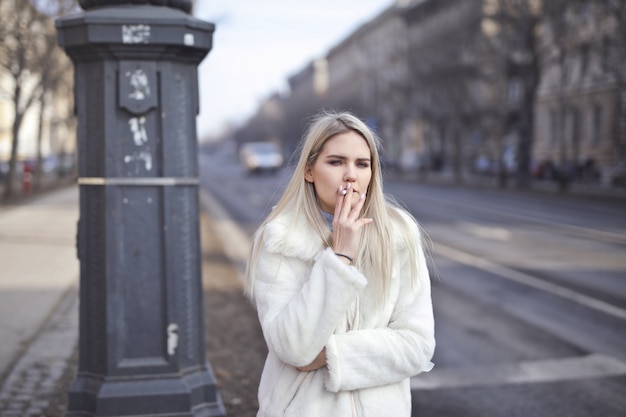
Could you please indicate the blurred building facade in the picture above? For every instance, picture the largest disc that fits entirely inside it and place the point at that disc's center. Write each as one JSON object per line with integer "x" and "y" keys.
{"x": 449, "y": 84}
{"x": 578, "y": 108}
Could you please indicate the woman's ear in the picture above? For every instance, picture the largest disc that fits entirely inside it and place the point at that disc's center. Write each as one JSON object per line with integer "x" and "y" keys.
{"x": 308, "y": 176}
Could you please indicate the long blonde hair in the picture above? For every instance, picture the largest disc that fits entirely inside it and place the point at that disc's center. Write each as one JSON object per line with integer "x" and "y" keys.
{"x": 376, "y": 249}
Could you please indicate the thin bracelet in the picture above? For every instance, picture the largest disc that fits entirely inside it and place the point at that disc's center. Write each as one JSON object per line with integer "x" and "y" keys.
{"x": 344, "y": 256}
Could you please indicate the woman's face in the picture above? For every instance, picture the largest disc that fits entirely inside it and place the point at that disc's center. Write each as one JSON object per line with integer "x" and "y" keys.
{"x": 345, "y": 158}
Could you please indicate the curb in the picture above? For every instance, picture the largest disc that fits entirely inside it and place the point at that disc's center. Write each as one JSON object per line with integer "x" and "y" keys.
{"x": 237, "y": 245}
{"x": 536, "y": 187}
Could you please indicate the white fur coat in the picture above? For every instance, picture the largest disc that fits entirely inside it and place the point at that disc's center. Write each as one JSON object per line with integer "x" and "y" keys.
{"x": 308, "y": 299}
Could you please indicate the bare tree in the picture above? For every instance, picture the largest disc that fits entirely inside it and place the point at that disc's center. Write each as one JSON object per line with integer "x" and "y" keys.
{"x": 22, "y": 27}
{"x": 514, "y": 40}
{"x": 445, "y": 78}
{"x": 450, "y": 105}
{"x": 55, "y": 72}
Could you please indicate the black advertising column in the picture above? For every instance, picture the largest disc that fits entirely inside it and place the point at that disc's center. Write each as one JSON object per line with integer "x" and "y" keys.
{"x": 142, "y": 350}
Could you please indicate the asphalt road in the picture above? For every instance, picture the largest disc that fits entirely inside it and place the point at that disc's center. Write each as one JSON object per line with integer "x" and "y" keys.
{"x": 529, "y": 292}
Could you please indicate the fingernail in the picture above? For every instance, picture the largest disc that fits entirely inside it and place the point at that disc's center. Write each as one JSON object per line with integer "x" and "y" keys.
{"x": 349, "y": 186}
{"x": 343, "y": 192}
{"x": 340, "y": 188}
{"x": 362, "y": 196}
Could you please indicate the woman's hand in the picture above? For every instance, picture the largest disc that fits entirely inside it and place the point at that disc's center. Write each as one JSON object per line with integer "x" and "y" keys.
{"x": 318, "y": 362}
{"x": 346, "y": 223}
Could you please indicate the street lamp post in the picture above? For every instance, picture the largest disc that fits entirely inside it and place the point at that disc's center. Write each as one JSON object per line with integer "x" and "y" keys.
{"x": 141, "y": 344}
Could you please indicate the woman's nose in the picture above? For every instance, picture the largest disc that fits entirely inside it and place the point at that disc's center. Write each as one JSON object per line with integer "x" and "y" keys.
{"x": 350, "y": 174}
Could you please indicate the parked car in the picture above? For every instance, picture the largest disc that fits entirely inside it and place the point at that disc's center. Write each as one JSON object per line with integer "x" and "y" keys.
{"x": 261, "y": 157}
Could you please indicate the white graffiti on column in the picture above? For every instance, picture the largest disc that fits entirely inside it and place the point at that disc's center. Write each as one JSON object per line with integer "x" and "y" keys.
{"x": 141, "y": 156}
{"x": 135, "y": 33}
{"x": 138, "y": 127}
{"x": 140, "y": 136}
{"x": 139, "y": 81}
{"x": 172, "y": 338}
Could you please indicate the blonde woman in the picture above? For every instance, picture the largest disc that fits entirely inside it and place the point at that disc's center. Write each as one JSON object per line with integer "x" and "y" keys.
{"x": 340, "y": 282}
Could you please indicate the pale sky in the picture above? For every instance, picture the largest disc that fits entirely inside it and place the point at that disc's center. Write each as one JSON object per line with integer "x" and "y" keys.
{"x": 258, "y": 44}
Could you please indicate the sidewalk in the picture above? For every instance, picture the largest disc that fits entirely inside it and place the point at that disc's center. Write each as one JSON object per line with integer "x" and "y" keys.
{"x": 38, "y": 299}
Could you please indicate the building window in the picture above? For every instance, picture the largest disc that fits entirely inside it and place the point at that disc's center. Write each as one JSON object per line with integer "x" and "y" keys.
{"x": 605, "y": 51}
{"x": 584, "y": 60}
{"x": 515, "y": 91}
{"x": 554, "y": 127}
{"x": 576, "y": 128}
{"x": 564, "y": 71}
{"x": 585, "y": 9}
{"x": 597, "y": 125}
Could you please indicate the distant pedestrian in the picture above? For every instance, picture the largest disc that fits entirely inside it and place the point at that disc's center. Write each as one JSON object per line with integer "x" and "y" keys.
{"x": 340, "y": 282}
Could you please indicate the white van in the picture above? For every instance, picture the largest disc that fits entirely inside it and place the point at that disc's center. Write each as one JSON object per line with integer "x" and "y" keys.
{"x": 261, "y": 157}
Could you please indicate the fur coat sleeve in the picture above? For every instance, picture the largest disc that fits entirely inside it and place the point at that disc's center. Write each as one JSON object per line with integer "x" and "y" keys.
{"x": 299, "y": 311}
{"x": 379, "y": 355}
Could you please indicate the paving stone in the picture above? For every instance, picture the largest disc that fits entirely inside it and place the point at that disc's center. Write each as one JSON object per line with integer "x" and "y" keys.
{"x": 48, "y": 384}
{"x": 26, "y": 398}
{"x": 16, "y": 406}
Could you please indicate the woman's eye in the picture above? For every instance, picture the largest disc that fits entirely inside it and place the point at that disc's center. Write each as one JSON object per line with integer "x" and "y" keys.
{"x": 363, "y": 165}
{"x": 335, "y": 162}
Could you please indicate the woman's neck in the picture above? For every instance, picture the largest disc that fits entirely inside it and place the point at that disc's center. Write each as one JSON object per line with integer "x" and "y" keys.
{"x": 329, "y": 219}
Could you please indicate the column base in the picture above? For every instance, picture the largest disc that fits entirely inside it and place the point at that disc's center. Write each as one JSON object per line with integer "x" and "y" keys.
{"x": 193, "y": 394}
